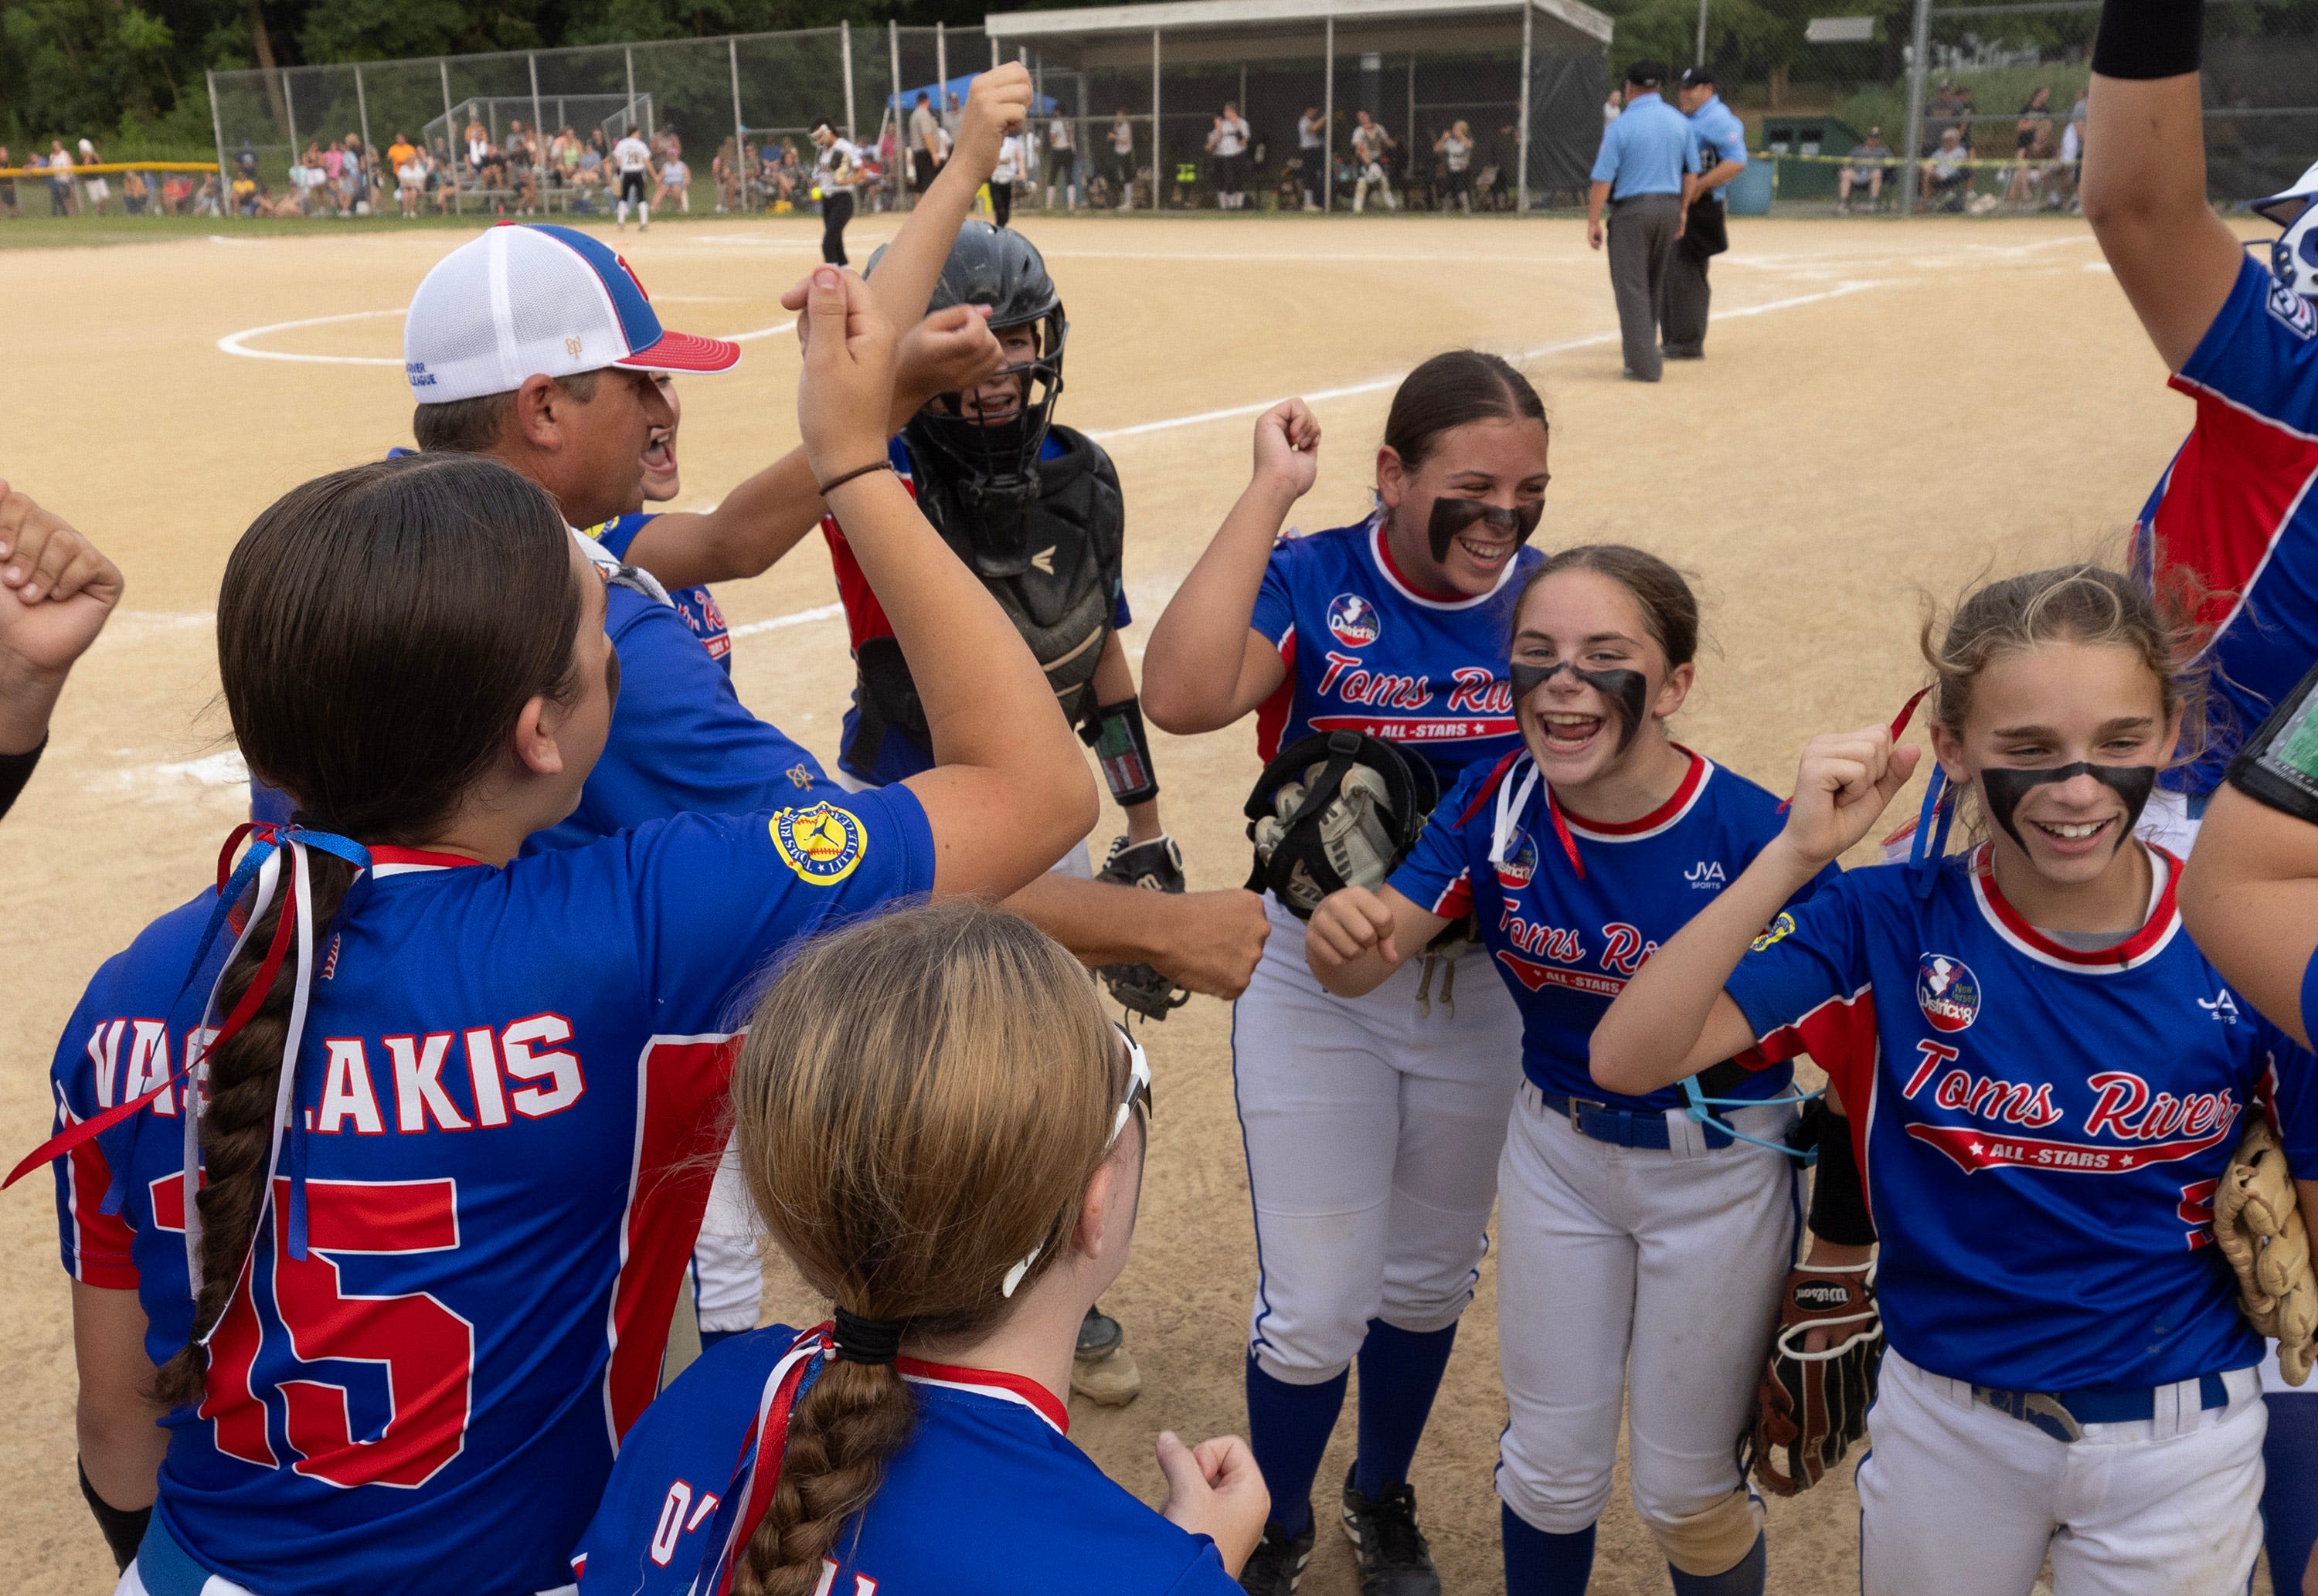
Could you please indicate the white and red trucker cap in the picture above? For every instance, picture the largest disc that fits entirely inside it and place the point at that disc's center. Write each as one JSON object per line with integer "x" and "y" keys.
{"x": 525, "y": 300}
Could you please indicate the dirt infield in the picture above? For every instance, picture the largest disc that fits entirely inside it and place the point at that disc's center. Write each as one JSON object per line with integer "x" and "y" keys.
{"x": 1885, "y": 409}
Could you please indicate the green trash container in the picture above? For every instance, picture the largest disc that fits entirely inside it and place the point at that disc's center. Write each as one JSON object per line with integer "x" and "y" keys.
{"x": 1791, "y": 134}
{"x": 1749, "y": 193}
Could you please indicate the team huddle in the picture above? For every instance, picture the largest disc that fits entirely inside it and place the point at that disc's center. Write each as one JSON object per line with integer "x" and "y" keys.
{"x": 547, "y": 977}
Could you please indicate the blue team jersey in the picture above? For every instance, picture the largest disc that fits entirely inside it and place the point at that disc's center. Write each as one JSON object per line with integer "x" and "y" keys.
{"x": 698, "y": 605}
{"x": 2041, "y": 1129}
{"x": 1367, "y": 651}
{"x": 900, "y": 754}
{"x": 1566, "y": 944}
{"x": 1717, "y": 138}
{"x": 510, "y": 1098}
{"x": 2235, "y": 509}
{"x": 989, "y": 1496}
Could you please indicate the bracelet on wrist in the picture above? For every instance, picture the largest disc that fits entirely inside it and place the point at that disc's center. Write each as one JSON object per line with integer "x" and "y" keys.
{"x": 842, "y": 478}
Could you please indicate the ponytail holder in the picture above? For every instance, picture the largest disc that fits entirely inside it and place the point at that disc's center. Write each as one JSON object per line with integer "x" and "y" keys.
{"x": 871, "y": 1341}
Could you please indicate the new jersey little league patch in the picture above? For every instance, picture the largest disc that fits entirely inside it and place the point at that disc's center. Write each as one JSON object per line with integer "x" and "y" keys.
{"x": 821, "y": 844}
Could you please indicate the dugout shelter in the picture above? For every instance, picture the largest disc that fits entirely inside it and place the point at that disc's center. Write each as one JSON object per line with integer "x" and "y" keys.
{"x": 1527, "y": 76}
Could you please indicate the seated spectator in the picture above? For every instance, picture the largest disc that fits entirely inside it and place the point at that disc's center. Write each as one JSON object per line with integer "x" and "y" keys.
{"x": 442, "y": 177}
{"x": 479, "y": 148}
{"x": 176, "y": 190}
{"x": 590, "y": 179}
{"x": 133, "y": 191}
{"x": 673, "y": 180}
{"x": 411, "y": 181}
{"x": 1948, "y": 179}
{"x": 724, "y": 172}
{"x": 245, "y": 196}
{"x": 205, "y": 203}
{"x": 1869, "y": 161}
{"x": 2033, "y": 145}
{"x": 8, "y": 187}
{"x": 400, "y": 151}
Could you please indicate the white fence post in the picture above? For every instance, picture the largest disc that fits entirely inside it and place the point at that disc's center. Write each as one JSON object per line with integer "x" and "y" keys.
{"x": 1528, "y": 92}
{"x": 1916, "y": 64}
{"x": 845, "y": 54}
{"x": 740, "y": 128}
{"x": 1328, "y": 120}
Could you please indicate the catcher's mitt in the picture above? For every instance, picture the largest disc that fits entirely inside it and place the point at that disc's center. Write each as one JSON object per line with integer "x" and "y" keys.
{"x": 1156, "y": 866}
{"x": 2257, "y": 1222}
{"x": 1811, "y": 1406}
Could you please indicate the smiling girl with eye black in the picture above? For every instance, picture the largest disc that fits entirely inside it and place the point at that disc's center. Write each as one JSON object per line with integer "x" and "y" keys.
{"x": 2045, "y": 1082}
{"x": 1638, "y": 1248}
{"x": 1372, "y": 1124}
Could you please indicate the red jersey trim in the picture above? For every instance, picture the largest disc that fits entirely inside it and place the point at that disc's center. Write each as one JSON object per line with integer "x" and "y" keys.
{"x": 1677, "y": 804}
{"x": 2238, "y": 469}
{"x": 1380, "y": 555}
{"x": 2156, "y": 932}
{"x": 1272, "y": 714}
{"x": 385, "y": 861}
{"x": 102, "y": 1241}
{"x": 680, "y": 1093}
{"x": 992, "y": 1383}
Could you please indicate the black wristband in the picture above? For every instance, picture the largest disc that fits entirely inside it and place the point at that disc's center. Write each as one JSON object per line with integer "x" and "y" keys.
{"x": 2146, "y": 39}
{"x": 1839, "y": 1210}
{"x": 1124, "y": 751}
{"x": 124, "y": 1528}
{"x": 842, "y": 478}
{"x": 15, "y": 770}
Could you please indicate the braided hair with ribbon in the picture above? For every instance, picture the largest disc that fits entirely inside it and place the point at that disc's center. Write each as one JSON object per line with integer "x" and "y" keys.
{"x": 380, "y": 631}
{"x": 925, "y": 1106}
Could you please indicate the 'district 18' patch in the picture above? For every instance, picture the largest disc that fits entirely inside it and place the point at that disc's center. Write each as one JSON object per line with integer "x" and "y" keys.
{"x": 821, "y": 844}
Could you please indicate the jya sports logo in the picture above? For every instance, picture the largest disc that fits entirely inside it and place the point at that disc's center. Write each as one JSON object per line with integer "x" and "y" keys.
{"x": 1948, "y": 992}
{"x": 2224, "y": 1008}
{"x": 1352, "y": 621}
{"x": 1706, "y": 876}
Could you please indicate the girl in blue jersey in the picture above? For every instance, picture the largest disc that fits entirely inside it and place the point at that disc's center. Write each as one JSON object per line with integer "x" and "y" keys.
{"x": 1374, "y": 1124}
{"x": 460, "y": 1105}
{"x": 937, "y": 1125}
{"x": 2044, "y": 1081}
{"x": 1638, "y": 1249}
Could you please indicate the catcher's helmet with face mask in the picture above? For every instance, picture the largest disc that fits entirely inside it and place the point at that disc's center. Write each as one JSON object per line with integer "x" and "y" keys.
{"x": 995, "y": 464}
{"x": 2294, "y": 255}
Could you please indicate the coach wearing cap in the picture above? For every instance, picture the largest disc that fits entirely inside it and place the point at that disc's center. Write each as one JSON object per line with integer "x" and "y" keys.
{"x": 1719, "y": 144}
{"x": 1639, "y": 176}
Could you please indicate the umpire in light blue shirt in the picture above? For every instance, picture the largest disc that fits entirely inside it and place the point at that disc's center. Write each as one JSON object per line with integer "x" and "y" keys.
{"x": 1719, "y": 140}
{"x": 1639, "y": 176}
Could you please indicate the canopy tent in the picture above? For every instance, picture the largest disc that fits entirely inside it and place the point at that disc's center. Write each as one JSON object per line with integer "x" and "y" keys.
{"x": 1559, "y": 119}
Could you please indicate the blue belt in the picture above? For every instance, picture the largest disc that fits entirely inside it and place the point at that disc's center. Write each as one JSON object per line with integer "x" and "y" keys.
{"x": 1621, "y": 1127}
{"x": 2063, "y": 1414}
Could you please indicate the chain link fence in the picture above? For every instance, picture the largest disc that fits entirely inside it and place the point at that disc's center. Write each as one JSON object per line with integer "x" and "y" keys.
{"x": 1872, "y": 106}
{"x": 1955, "y": 106}
{"x": 729, "y": 119}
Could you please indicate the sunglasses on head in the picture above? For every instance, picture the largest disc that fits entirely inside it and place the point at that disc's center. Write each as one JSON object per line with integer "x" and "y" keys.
{"x": 1138, "y": 1091}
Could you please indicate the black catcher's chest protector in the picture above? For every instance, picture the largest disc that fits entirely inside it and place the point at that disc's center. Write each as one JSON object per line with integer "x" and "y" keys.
{"x": 1071, "y": 541}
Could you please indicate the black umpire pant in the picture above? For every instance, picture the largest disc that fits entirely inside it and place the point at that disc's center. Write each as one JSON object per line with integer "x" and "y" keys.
{"x": 836, "y": 211}
{"x": 1641, "y": 244}
{"x": 1682, "y": 324}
